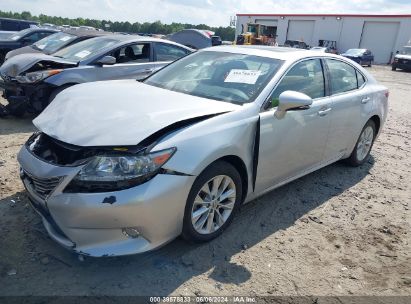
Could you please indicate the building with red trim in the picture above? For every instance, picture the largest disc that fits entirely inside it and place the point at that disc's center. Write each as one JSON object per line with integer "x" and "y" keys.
{"x": 382, "y": 34}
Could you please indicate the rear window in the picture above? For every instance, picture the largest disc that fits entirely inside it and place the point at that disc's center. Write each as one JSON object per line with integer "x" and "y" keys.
{"x": 343, "y": 76}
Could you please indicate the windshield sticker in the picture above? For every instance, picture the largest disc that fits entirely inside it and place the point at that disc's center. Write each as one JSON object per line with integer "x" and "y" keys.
{"x": 65, "y": 38}
{"x": 243, "y": 76}
{"x": 41, "y": 46}
{"x": 82, "y": 54}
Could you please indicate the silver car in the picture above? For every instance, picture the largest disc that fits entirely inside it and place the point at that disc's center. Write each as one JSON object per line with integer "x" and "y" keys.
{"x": 32, "y": 81}
{"x": 122, "y": 167}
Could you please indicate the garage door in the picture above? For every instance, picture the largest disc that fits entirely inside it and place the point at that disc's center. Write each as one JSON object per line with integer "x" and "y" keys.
{"x": 380, "y": 38}
{"x": 267, "y": 22}
{"x": 301, "y": 30}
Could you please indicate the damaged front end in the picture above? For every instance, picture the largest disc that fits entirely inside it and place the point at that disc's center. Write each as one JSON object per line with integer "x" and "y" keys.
{"x": 87, "y": 196}
{"x": 101, "y": 169}
{"x": 23, "y": 82}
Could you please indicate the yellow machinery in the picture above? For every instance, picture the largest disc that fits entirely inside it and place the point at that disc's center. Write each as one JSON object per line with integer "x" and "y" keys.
{"x": 257, "y": 34}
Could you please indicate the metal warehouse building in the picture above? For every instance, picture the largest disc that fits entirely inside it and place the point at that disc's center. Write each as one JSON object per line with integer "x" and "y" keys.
{"x": 382, "y": 34}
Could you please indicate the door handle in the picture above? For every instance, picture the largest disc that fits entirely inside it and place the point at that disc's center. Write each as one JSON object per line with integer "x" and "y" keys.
{"x": 148, "y": 70}
{"x": 324, "y": 112}
{"x": 365, "y": 100}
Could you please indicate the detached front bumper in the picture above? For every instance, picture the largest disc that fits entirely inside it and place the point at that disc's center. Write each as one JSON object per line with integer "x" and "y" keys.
{"x": 93, "y": 223}
{"x": 32, "y": 97}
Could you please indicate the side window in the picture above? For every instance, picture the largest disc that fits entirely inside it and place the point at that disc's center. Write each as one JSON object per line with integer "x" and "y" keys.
{"x": 33, "y": 37}
{"x": 166, "y": 52}
{"x": 343, "y": 76}
{"x": 44, "y": 34}
{"x": 135, "y": 53}
{"x": 360, "y": 79}
{"x": 306, "y": 77}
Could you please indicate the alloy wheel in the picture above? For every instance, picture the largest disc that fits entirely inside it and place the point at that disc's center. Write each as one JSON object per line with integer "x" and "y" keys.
{"x": 213, "y": 204}
{"x": 365, "y": 143}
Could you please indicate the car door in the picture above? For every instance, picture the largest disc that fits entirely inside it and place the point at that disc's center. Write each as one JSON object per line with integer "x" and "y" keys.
{"x": 351, "y": 101}
{"x": 293, "y": 145}
{"x": 134, "y": 61}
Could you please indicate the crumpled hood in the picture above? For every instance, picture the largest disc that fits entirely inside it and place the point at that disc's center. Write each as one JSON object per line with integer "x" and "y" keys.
{"x": 119, "y": 112}
{"x": 21, "y": 63}
{"x": 23, "y": 50}
{"x": 402, "y": 56}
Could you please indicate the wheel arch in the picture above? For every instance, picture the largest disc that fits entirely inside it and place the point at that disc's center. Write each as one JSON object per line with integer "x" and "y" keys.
{"x": 377, "y": 120}
{"x": 240, "y": 166}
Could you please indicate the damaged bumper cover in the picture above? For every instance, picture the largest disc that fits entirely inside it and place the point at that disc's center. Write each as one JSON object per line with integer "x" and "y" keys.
{"x": 32, "y": 97}
{"x": 95, "y": 223}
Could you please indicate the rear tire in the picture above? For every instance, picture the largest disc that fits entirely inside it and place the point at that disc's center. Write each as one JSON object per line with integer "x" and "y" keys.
{"x": 362, "y": 149}
{"x": 393, "y": 69}
{"x": 212, "y": 202}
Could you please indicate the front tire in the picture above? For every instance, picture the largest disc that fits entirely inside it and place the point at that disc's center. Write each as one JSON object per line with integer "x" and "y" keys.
{"x": 362, "y": 149}
{"x": 212, "y": 202}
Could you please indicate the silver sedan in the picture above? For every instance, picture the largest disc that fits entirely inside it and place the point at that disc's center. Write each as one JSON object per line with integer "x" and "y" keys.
{"x": 122, "y": 167}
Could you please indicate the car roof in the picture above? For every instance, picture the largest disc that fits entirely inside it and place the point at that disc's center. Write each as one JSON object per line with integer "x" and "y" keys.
{"x": 85, "y": 33}
{"x": 40, "y": 29}
{"x": 122, "y": 39}
{"x": 281, "y": 53}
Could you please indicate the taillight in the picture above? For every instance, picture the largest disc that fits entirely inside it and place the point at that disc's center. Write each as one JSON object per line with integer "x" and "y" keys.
{"x": 387, "y": 93}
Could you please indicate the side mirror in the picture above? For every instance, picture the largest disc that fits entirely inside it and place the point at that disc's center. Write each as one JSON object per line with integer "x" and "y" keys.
{"x": 292, "y": 100}
{"x": 107, "y": 60}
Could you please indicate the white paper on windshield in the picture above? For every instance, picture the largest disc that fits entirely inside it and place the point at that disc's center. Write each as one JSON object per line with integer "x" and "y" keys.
{"x": 65, "y": 38}
{"x": 243, "y": 76}
{"x": 41, "y": 46}
{"x": 82, "y": 54}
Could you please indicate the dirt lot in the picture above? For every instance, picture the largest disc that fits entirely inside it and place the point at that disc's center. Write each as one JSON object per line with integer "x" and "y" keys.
{"x": 338, "y": 231}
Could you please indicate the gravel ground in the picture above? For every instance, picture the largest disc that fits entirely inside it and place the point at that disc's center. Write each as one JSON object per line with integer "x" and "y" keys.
{"x": 338, "y": 231}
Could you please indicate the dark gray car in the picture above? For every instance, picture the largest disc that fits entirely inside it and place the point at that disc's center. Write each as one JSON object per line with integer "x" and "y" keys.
{"x": 22, "y": 38}
{"x": 31, "y": 81}
{"x": 56, "y": 42}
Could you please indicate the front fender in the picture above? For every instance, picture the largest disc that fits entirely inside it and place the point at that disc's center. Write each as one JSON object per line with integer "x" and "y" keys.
{"x": 199, "y": 145}
{"x": 74, "y": 75}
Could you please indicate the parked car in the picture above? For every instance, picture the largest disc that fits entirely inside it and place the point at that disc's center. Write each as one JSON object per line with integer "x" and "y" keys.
{"x": 15, "y": 25}
{"x": 195, "y": 39}
{"x": 56, "y": 42}
{"x": 127, "y": 166}
{"x": 31, "y": 81}
{"x": 299, "y": 44}
{"x": 402, "y": 60}
{"x": 22, "y": 38}
{"x": 216, "y": 40}
{"x": 360, "y": 56}
{"x": 324, "y": 49}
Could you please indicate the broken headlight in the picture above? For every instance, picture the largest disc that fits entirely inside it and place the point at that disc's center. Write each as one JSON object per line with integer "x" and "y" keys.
{"x": 34, "y": 77}
{"x": 117, "y": 172}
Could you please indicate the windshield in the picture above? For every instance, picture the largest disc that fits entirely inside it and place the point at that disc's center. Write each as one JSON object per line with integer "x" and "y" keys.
{"x": 85, "y": 49}
{"x": 235, "y": 78}
{"x": 354, "y": 52}
{"x": 54, "y": 42}
{"x": 18, "y": 35}
{"x": 406, "y": 50}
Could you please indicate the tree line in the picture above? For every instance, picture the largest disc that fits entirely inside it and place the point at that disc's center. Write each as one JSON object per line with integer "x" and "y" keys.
{"x": 157, "y": 27}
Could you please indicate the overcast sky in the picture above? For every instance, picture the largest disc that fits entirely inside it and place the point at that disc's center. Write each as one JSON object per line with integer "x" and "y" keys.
{"x": 211, "y": 12}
